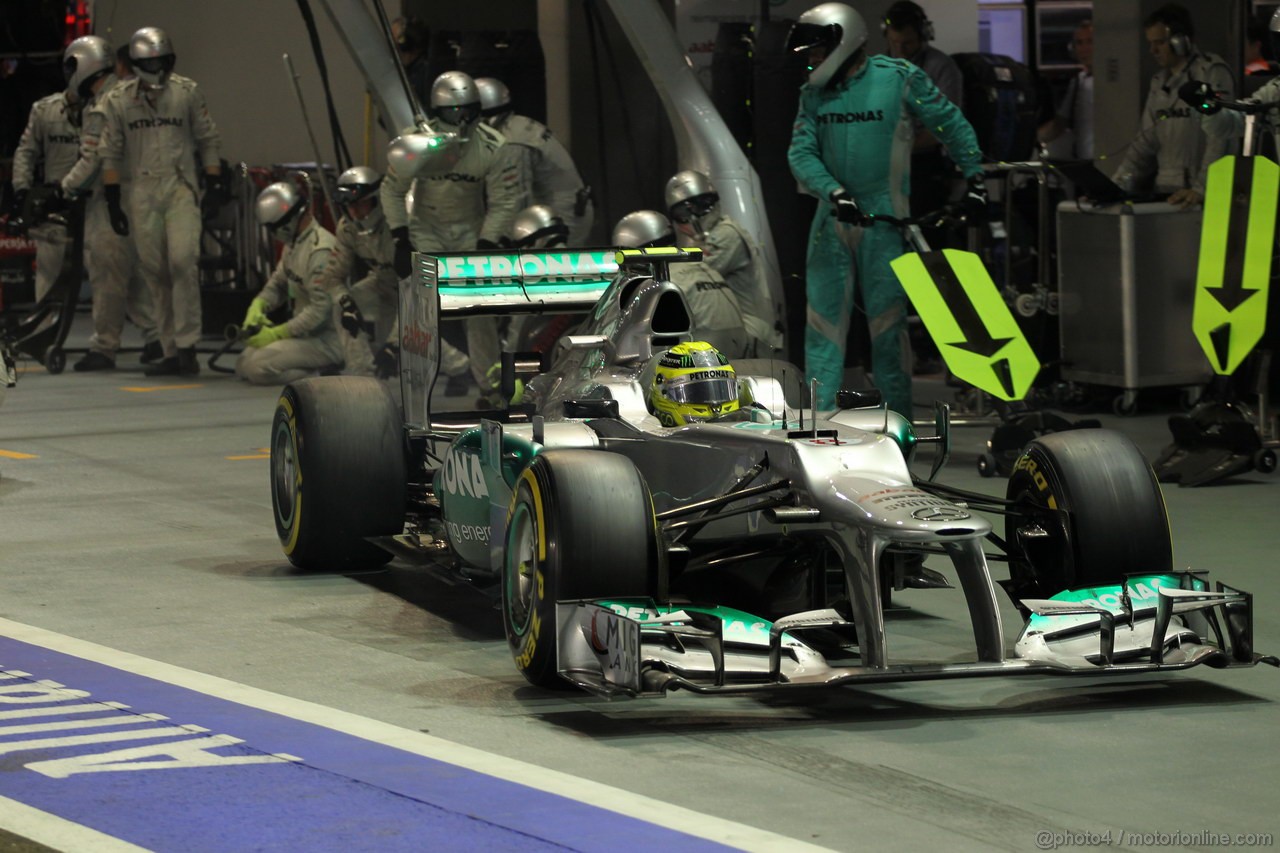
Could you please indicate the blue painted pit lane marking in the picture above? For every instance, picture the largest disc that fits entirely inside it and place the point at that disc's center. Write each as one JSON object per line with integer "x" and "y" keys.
{"x": 221, "y": 766}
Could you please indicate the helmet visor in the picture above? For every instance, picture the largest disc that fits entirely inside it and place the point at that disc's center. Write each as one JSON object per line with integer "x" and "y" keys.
{"x": 459, "y": 115}
{"x": 709, "y": 388}
{"x": 806, "y": 37}
{"x": 693, "y": 208}
{"x": 154, "y": 64}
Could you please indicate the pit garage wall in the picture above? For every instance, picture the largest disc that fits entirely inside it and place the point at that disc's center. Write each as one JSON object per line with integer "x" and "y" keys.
{"x": 233, "y": 49}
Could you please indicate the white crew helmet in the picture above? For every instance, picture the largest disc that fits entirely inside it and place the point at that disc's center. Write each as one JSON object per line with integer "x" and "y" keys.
{"x": 835, "y": 28}
{"x": 643, "y": 228}
{"x": 85, "y": 61}
{"x": 280, "y": 207}
{"x": 152, "y": 57}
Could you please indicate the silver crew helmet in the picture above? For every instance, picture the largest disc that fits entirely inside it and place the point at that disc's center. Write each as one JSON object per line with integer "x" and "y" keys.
{"x": 835, "y": 29}
{"x": 416, "y": 155}
{"x": 495, "y": 97}
{"x": 537, "y": 227}
{"x": 455, "y": 99}
{"x": 641, "y": 229}
{"x": 691, "y": 198}
{"x": 357, "y": 184}
{"x": 86, "y": 61}
{"x": 152, "y": 57}
{"x": 280, "y": 208}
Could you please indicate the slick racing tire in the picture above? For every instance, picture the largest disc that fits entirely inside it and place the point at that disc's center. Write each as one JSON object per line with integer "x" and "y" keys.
{"x": 338, "y": 472}
{"x": 1110, "y": 518}
{"x": 581, "y": 526}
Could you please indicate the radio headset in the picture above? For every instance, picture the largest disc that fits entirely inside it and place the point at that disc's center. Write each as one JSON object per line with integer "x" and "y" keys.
{"x": 904, "y": 13}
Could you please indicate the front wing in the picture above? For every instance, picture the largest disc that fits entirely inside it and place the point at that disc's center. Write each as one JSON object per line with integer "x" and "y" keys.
{"x": 616, "y": 649}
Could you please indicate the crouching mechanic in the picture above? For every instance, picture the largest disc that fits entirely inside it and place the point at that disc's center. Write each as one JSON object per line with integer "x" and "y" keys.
{"x": 694, "y": 206}
{"x": 714, "y": 312}
{"x": 851, "y": 147}
{"x": 275, "y": 355}
{"x": 371, "y": 307}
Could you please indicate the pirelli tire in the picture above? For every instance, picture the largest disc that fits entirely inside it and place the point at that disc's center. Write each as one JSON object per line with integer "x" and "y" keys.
{"x": 1106, "y": 515}
{"x": 338, "y": 472}
{"x": 581, "y": 526}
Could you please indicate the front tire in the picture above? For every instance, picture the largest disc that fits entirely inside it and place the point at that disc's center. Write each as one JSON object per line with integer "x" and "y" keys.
{"x": 581, "y": 526}
{"x": 1112, "y": 518}
{"x": 338, "y": 472}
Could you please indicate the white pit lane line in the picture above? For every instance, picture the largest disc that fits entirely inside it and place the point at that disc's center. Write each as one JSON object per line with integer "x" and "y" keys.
{"x": 53, "y": 831}
{"x": 63, "y": 834}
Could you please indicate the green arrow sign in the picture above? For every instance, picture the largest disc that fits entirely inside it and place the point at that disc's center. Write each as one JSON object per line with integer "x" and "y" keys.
{"x": 965, "y": 315}
{"x": 1230, "y": 311}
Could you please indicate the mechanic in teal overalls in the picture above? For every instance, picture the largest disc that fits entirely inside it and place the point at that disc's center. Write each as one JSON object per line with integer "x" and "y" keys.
{"x": 852, "y": 146}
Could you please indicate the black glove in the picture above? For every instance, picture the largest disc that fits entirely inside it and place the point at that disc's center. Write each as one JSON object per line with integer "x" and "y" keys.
{"x": 352, "y": 320}
{"x": 215, "y": 195}
{"x": 54, "y": 200}
{"x": 404, "y": 252}
{"x": 847, "y": 210}
{"x": 17, "y": 226}
{"x": 119, "y": 222}
{"x": 974, "y": 204}
{"x": 1200, "y": 96}
{"x": 386, "y": 361}
{"x": 483, "y": 245}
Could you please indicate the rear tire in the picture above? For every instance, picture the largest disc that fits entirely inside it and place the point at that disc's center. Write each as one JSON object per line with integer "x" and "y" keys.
{"x": 1113, "y": 520}
{"x": 581, "y": 526}
{"x": 338, "y": 472}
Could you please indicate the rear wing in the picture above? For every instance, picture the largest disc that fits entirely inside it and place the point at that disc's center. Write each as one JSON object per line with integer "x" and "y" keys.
{"x": 470, "y": 284}
{"x": 490, "y": 283}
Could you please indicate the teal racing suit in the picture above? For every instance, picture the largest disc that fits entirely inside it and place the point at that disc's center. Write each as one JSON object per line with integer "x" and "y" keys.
{"x": 856, "y": 136}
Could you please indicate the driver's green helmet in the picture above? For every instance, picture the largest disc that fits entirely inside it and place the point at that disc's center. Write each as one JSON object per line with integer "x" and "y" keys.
{"x": 693, "y": 383}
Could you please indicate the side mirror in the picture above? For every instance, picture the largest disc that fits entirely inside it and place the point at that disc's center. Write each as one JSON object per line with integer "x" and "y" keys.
{"x": 862, "y": 398}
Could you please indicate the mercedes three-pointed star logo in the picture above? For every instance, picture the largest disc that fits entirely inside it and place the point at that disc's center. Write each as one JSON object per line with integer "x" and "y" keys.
{"x": 940, "y": 513}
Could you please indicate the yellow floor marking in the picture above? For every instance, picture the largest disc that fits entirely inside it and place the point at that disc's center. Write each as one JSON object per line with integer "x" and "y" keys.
{"x": 263, "y": 453}
{"x": 146, "y": 389}
{"x": 13, "y": 454}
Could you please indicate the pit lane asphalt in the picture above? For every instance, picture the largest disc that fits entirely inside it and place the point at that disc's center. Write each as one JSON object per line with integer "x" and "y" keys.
{"x": 141, "y": 521}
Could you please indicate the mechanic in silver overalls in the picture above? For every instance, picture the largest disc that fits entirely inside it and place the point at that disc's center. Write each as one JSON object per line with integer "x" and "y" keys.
{"x": 693, "y": 205}
{"x": 110, "y": 259}
{"x": 308, "y": 341}
{"x": 1170, "y": 154}
{"x": 464, "y": 208}
{"x": 548, "y": 175}
{"x": 363, "y": 235}
{"x": 153, "y": 129}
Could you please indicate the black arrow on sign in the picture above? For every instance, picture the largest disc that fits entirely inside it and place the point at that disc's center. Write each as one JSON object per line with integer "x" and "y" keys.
{"x": 1232, "y": 293}
{"x": 976, "y": 337}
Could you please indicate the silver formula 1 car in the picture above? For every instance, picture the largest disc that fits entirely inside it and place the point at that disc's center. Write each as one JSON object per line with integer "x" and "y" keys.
{"x": 757, "y": 553}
